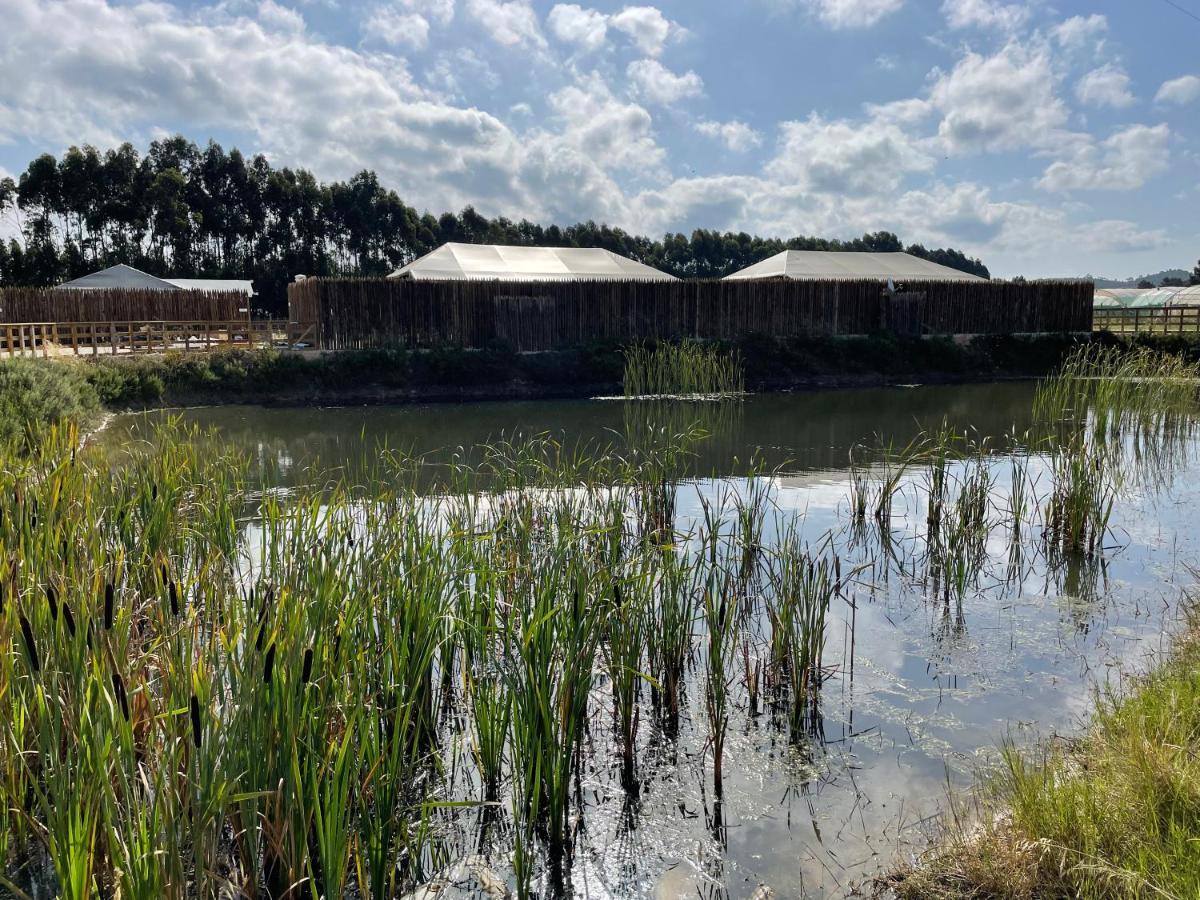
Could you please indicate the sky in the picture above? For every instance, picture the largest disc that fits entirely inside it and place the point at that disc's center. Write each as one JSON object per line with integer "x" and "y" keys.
{"x": 1046, "y": 138}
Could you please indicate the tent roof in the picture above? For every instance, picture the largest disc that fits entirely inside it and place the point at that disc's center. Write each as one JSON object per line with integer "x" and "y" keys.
{"x": 495, "y": 262}
{"x": 844, "y": 264}
{"x": 120, "y": 277}
{"x": 213, "y": 284}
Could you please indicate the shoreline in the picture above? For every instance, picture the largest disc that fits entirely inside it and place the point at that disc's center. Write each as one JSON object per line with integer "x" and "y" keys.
{"x": 523, "y": 391}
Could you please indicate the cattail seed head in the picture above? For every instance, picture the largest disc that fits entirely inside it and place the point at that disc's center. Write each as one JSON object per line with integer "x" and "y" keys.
{"x": 173, "y": 593}
{"x": 118, "y": 684}
{"x": 52, "y": 599}
{"x": 30, "y": 646}
{"x": 109, "y": 598}
{"x": 196, "y": 735}
{"x": 306, "y": 672}
{"x": 68, "y": 618}
{"x": 269, "y": 664}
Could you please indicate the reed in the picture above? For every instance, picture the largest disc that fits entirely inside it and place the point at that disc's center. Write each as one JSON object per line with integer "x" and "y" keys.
{"x": 682, "y": 370}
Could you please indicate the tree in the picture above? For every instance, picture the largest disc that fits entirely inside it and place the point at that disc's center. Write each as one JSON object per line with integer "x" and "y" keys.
{"x": 1144, "y": 283}
{"x": 1195, "y": 279}
{"x": 188, "y": 211}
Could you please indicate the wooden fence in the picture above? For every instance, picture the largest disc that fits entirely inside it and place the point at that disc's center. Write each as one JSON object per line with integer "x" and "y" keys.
{"x": 96, "y": 338}
{"x": 528, "y": 316}
{"x": 58, "y": 305}
{"x": 1148, "y": 320}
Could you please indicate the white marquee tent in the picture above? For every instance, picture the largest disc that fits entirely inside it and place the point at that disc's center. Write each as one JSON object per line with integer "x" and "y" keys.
{"x": 123, "y": 277}
{"x": 821, "y": 264}
{"x": 458, "y": 262}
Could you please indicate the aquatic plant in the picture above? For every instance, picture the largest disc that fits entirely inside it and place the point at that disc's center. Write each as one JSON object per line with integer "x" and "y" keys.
{"x": 682, "y": 369}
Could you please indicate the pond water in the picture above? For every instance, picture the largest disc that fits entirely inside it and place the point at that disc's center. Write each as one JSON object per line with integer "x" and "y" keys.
{"x": 923, "y": 689}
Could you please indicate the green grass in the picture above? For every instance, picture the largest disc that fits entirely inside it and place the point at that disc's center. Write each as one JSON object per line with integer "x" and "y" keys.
{"x": 1116, "y": 814}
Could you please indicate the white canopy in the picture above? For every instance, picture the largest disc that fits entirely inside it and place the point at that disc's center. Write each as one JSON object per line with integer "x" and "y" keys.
{"x": 120, "y": 277}
{"x": 214, "y": 284}
{"x": 817, "y": 264}
{"x": 123, "y": 277}
{"x": 453, "y": 262}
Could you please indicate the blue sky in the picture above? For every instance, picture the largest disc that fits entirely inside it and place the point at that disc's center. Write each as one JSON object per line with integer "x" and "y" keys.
{"x": 1046, "y": 138}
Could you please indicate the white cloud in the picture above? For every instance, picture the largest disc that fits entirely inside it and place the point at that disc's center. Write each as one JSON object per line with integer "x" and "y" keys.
{"x": 846, "y": 157}
{"x": 395, "y": 27}
{"x": 647, "y": 27}
{"x": 573, "y": 24}
{"x": 1077, "y": 32}
{"x": 1119, "y": 236}
{"x": 1001, "y": 102}
{"x": 656, "y": 83}
{"x": 735, "y": 135}
{"x": 840, "y": 14}
{"x": 615, "y": 133}
{"x": 511, "y": 23}
{"x": 279, "y": 17}
{"x": 1107, "y": 85}
{"x": 984, "y": 14}
{"x": 886, "y": 61}
{"x": 1179, "y": 90}
{"x": 1123, "y": 162}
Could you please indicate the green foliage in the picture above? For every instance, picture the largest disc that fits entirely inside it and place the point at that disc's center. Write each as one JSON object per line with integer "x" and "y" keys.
{"x": 185, "y": 210}
{"x": 685, "y": 369}
{"x": 39, "y": 393}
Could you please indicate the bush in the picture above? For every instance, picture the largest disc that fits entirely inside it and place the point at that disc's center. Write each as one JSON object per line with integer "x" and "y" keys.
{"x": 35, "y": 393}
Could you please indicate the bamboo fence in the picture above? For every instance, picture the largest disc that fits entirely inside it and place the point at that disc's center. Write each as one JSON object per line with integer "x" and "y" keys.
{"x": 530, "y": 316}
{"x": 57, "y": 305}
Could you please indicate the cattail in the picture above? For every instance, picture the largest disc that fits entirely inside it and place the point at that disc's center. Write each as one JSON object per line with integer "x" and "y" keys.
{"x": 122, "y": 700}
{"x": 306, "y": 671}
{"x": 52, "y": 599}
{"x": 164, "y": 574}
{"x": 109, "y": 597}
{"x": 196, "y": 721}
{"x": 154, "y": 492}
{"x": 262, "y": 636}
{"x": 68, "y": 618}
{"x": 30, "y": 646}
{"x": 269, "y": 665}
{"x": 173, "y": 593}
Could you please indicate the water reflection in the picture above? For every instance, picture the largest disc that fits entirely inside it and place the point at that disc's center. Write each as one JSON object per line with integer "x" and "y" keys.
{"x": 927, "y": 671}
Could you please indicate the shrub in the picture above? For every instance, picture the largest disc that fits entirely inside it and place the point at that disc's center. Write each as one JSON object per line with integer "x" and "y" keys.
{"x": 35, "y": 393}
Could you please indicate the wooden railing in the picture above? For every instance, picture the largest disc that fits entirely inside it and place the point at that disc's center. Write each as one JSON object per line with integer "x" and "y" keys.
{"x": 96, "y": 338}
{"x": 1147, "y": 320}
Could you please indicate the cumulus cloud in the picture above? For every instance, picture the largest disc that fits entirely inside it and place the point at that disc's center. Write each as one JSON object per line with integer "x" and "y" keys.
{"x": 644, "y": 26}
{"x": 1078, "y": 32}
{"x": 656, "y": 83}
{"x": 984, "y": 14}
{"x": 573, "y": 24}
{"x": 735, "y": 135}
{"x": 1179, "y": 90}
{"x": 845, "y": 14}
{"x": 844, "y": 157}
{"x": 1107, "y": 85}
{"x": 647, "y": 27}
{"x": 1123, "y": 162}
{"x": 1001, "y": 102}
{"x": 511, "y": 23}
{"x": 396, "y": 27}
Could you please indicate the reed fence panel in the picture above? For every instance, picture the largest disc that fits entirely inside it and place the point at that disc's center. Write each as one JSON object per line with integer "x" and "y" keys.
{"x": 529, "y": 316}
{"x": 57, "y": 305}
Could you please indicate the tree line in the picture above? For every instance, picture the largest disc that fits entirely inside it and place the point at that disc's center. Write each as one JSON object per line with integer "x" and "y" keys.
{"x": 185, "y": 211}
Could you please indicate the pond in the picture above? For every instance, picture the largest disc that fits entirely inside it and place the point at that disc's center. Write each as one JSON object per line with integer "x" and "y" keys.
{"x": 921, "y": 686}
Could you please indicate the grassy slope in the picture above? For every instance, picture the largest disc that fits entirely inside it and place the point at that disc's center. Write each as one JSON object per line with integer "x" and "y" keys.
{"x": 1115, "y": 815}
